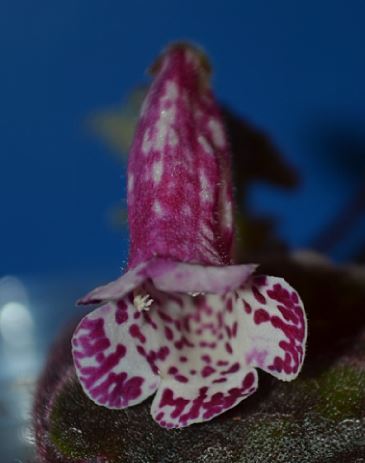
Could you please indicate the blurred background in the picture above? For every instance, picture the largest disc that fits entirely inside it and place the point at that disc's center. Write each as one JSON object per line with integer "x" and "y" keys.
{"x": 293, "y": 70}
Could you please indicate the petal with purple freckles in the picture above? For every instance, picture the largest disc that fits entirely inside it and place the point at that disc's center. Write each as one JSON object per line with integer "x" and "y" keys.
{"x": 184, "y": 277}
{"x": 117, "y": 289}
{"x": 109, "y": 362}
{"x": 204, "y": 375}
{"x": 178, "y": 405}
{"x": 273, "y": 321}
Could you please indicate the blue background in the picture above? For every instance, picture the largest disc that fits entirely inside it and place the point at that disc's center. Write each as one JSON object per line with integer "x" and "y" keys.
{"x": 295, "y": 69}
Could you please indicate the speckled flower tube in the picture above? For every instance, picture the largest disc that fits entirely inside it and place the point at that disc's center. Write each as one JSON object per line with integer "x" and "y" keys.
{"x": 184, "y": 322}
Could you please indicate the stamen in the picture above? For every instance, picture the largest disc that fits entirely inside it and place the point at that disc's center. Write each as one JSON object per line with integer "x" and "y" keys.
{"x": 142, "y": 301}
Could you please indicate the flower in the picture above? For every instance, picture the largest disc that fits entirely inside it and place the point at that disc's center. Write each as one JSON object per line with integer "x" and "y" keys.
{"x": 184, "y": 320}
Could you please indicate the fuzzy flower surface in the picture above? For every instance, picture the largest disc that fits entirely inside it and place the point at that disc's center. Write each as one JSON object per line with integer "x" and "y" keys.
{"x": 183, "y": 322}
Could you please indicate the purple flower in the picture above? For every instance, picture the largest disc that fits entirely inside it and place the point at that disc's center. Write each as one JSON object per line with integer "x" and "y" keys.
{"x": 183, "y": 321}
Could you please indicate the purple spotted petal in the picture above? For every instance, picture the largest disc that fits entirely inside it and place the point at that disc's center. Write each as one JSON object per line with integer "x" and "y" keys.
{"x": 273, "y": 323}
{"x": 177, "y": 405}
{"x": 203, "y": 347}
{"x": 205, "y": 373}
{"x": 107, "y": 356}
{"x": 173, "y": 276}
